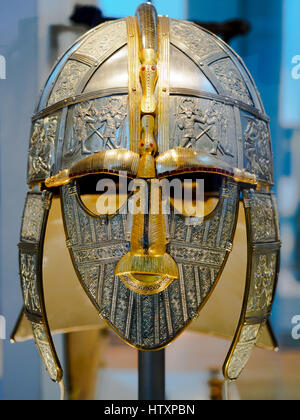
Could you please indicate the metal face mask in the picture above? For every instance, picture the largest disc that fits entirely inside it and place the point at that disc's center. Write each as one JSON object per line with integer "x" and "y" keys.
{"x": 157, "y": 99}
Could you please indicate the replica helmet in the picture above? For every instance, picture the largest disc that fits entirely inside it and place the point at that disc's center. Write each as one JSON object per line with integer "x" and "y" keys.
{"x": 134, "y": 104}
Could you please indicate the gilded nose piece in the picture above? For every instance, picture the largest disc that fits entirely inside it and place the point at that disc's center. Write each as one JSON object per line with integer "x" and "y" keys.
{"x": 148, "y": 269}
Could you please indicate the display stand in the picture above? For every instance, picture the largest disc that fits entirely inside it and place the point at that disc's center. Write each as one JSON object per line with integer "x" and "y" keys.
{"x": 151, "y": 373}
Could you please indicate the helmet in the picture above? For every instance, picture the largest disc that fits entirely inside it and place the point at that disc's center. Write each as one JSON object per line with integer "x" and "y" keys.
{"x": 149, "y": 101}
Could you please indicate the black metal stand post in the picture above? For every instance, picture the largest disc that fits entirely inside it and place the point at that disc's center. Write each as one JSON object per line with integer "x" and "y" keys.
{"x": 152, "y": 375}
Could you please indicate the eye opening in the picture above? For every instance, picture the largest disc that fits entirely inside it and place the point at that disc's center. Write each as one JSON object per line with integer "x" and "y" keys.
{"x": 212, "y": 193}
{"x": 88, "y": 195}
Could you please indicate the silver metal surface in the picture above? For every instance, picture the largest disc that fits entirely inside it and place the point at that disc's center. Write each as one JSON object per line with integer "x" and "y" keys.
{"x": 184, "y": 73}
{"x": 112, "y": 73}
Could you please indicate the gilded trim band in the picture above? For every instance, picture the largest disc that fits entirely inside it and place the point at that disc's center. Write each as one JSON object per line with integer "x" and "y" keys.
{"x": 134, "y": 87}
{"x": 163, "y": 84}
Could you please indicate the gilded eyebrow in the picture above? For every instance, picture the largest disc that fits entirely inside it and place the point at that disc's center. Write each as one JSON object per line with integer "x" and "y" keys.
{"x": 182, "y": 160}
{"x": 107, "y": 161}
